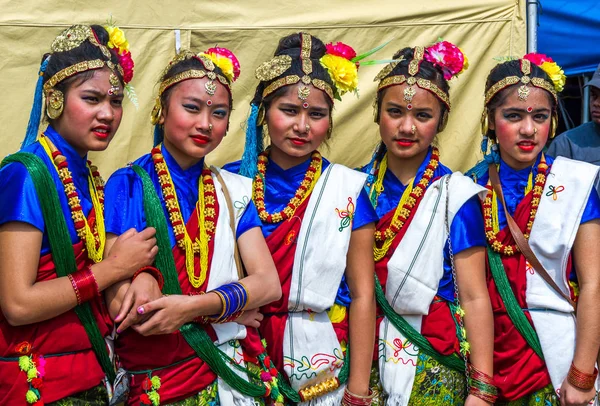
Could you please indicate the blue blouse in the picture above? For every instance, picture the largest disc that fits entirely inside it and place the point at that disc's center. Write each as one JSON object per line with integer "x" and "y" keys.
{"x": 514, "y": 183}
{"x": 281, "y": 186}
{"x": 18, "y": 197}
{"x": 123, "y": 199}
{"x": 466, "y": 230}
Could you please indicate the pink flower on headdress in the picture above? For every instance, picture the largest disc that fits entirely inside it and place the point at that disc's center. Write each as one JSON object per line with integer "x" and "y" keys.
{"x": 538, "y": 59}
{"x": 224, "y": 52}
{"x": 127, "y": 64}
{"x": 447, "y": 57}
{"x": 341, "y": 49}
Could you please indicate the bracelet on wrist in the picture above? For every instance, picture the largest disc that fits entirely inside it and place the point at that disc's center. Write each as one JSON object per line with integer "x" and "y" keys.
{"x": 152, "y": 271}
{"x": 580, "y": 379}
{"x": 481, "y": 385}
{"x": 352, "y": 399}
{"x": 84, "y": 284}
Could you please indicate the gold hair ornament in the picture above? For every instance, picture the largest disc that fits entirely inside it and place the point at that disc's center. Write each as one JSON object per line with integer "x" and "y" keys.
{"x": 523, "y": 90}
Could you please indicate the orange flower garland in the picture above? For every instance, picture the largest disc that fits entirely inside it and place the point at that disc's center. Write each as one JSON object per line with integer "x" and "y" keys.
{"x": 205, "y": 209}
{"x": 491, "y": 235}
{"x": 310, "y": 179}
{"x": 417, "y": 194}
{"x": 94, "y": 238}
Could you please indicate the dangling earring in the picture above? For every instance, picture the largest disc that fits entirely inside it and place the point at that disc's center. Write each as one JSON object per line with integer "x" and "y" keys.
{"x": 485, "y": 122}
{"x": 156, "y": 110}
{"x": 260, "y": 120}
{"x": 330, "y": 128}
{"x": 553, "y": 125}
{"x": 56, "y": 103}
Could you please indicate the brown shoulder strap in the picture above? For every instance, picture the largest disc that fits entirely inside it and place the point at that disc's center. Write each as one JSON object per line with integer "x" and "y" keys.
{"x": 236, "y": 252}
{"x": 520, "y": 238}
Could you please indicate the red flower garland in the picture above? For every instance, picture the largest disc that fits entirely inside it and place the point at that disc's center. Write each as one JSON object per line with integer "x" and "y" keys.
{"x": 306, "y": 185}
{"x": 492, "y": 237}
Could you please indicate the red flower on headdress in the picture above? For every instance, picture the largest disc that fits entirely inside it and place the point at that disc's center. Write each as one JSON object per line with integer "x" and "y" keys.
{"x": 127, "y": 64}
{"x": 145, "y": 399}
{"x": 446, "y": 56}
{"x": 341, "y": 49}
{"x": 538, "y": 59}
{"x": 227, "y": 54}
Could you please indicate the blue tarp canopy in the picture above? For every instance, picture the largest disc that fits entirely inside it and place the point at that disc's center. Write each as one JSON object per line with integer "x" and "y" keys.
{"x": 569, "y": 32}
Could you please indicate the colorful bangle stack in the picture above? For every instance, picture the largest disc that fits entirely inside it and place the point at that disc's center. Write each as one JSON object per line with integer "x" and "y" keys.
{"x": 481, "y": 386}
{"x": 152, "y": 271}
{"x": 234, "y": 298}
{"x": 350, "y": 399}
{"x": 84, "y": 284}
{"x": 580, "y": 379}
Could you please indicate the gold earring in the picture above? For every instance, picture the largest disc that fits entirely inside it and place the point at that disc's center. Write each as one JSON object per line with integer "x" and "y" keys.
{"x": 156, "y": 110}
{"x": 330, "y": 128}
{"x": 484, "y": 122}
{"x": 260, "y": 120}
{"x": 375, "y": 111}
{"x": 553, "y": 125}
{"x": 56, "y": 104}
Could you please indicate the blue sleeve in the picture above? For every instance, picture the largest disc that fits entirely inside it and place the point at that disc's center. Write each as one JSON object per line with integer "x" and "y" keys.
{"x": 123, "y": 202}
{"x": 249, "y": 220}
{"x": 18, "y": 197}
{"x": 365, "y": 212}
{"x": 592, "y": 208}
{"x": 233, "y": 167}
{"x": 467, "y": 229}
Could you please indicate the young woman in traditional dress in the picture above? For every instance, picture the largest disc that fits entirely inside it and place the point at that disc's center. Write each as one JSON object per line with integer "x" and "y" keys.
{"x": 53, "y": 320}
{"x": 429, "y": 246}
{"x": 318, "y": 223}
{"x": 201, "y": 215}
{"x": 543, "y": 240}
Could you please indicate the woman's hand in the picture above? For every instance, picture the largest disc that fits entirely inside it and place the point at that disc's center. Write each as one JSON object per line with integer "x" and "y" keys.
{"x": 131, "y": 251}
{"x": 250, "y": 318}
{"x": 168, "y": 314}
{"x": 142, "y": 290}
{"x": 572, "y": 396}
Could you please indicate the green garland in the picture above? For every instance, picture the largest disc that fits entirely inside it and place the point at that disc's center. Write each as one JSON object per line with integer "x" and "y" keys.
{"x": 61, "y": 248}
{"x": 422, "y": 343}
{"x": 514, "y": 310}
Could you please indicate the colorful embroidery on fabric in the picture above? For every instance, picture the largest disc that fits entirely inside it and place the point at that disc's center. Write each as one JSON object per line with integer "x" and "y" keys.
{"x": 290, "y": 238}
{"x": 395, "y": 349}
{"x": 346, "y": 215}
{"x": 529, "y": 268}
{"x": 34, "y": 367}
{"x": 150, "y": 385}
{"x": 307, "y": 368}
{"x": 436, "y": 384}
{"x": 554, "y": 191}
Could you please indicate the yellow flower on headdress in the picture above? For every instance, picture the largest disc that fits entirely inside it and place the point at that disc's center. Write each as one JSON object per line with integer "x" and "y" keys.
{"x": 342, "y": 71}
{"x": 556, "y": 74}
{"x": 466, "y": 61}
{"x": 116, "y": 39}
{"x": 223, "y": 63}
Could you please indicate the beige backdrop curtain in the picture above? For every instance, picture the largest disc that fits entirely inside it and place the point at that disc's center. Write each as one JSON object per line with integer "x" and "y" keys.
{"x": 484, "y": 29}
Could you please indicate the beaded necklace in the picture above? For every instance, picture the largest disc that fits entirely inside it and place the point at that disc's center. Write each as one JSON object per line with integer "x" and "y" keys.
{"x": 410, "y": 198}
{"x": 490, "y": 212}
{"x": 306, "y": 186}
{"x": 205, "y": 209}
{"x": 93, "y": 237}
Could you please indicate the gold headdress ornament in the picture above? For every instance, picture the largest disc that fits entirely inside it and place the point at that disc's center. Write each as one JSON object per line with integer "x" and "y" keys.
{"x": 72, "y": 38}
{"x": 525, "y": 80}
{"x": 213, "y": 58}
{"x": 279, "y": 64}
{"x": 413, "y": 69}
